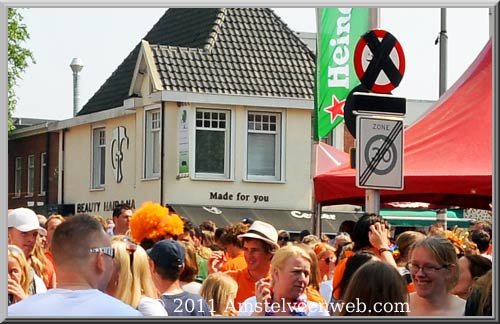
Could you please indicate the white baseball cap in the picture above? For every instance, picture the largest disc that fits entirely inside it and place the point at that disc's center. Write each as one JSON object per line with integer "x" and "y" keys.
{"x": 25, "y": 220}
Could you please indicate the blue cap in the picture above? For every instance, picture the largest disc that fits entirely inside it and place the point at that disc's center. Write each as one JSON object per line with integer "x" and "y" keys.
{"x": 167, "y": 254}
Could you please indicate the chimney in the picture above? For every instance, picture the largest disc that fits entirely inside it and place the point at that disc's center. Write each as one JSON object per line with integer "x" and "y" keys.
{"x": 76, "y": 66}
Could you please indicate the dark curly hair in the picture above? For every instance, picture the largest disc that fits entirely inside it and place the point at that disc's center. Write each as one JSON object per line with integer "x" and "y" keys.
{"x": 361, "y": 229}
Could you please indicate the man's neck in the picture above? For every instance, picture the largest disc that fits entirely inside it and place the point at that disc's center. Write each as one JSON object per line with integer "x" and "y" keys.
{"x": 171, "y": 287}
{"x": 120, "y": 231}
{"x": 73, "y": 285}
{"x": 258, "y": 274}
{"x": 73, "y": 281}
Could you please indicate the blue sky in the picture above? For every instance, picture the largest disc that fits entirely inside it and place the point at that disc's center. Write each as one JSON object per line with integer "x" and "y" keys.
{"x": 103, "y": 37}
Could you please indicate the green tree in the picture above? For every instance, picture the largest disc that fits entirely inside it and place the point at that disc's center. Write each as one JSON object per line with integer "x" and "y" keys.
{"x": 18, "y": 56}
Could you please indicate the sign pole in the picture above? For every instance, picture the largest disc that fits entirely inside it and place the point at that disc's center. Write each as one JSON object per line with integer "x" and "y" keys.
{"x": 315, "y": 218}
{"x": 372, "y": 201}
{"x": 317, "y": 224}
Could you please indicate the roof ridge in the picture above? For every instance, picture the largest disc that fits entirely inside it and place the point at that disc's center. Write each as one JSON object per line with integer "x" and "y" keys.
{"x": 171, "y": 48}
{"x": 217, "y": 28}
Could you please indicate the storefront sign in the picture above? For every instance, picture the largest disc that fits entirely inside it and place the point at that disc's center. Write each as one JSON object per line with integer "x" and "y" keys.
{"x": 299, "y": 214}
{"x": 95, "y": 206}
{"x": 226, "y": 196}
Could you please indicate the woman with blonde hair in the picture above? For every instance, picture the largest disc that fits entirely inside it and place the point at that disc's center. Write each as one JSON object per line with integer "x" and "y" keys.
{"x": 326, "y": 264}
{"x": 42, "y": 266}
{"x": 219, "y": 290}
{"x": 18, "y": 275}
{"x": 434, "y": 270}
{"x": 312, "y": 289}
{"x": 131, "y": 281}
{"x": 285, "y": 293}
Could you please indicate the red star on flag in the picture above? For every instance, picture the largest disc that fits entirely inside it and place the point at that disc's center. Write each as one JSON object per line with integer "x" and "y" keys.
{"x": 336, "y": 109}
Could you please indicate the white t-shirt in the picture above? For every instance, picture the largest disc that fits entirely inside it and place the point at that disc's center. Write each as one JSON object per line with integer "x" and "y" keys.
{"x": 313, "y": 308}
{"x": 151, "y": 307}
{"x": 326, "y": 289}
{"x": 192, "y": 287}
{"x": 71, "y": 303}
{"x": 39, "y": 284}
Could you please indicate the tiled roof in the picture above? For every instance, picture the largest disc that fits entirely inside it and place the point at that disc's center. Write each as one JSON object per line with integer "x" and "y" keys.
{"x": 248, "y": 51}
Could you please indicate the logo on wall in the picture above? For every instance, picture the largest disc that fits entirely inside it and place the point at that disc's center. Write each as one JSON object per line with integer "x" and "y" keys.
{"x": 117, "y": 146}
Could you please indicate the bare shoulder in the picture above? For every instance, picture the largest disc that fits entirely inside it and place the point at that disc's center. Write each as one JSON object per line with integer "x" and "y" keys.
{"x": 413, "y": 304}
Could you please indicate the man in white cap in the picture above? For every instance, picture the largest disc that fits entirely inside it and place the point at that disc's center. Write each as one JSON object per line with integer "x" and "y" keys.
{"x": 259, "y": 245}
{"x": 23, "y": 231}
{"x": 83, "y": 256}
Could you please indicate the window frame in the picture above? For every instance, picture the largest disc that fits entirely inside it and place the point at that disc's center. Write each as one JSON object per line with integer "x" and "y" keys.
{"x": 279, "y": 145}
{"x": 148, "y": 151}
{"x": 18, "y": 176}
{"x": 228, "y": 145}
{"x": 30, "y": 190}
{"x": 96, "y": 172}
{"x": 43, "y": 173}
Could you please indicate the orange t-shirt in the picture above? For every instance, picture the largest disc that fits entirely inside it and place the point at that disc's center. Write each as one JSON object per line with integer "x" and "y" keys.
{"x": 339, "y": 273}
{"x": 236, "y": 263}
{"x": 246, "y": 285}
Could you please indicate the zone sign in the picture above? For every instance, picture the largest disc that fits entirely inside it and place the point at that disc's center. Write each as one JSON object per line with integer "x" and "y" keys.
{"x": 379, "y": 155}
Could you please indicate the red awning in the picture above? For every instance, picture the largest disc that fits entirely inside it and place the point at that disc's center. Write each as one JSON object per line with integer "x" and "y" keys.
{"x": 328, "y": 157}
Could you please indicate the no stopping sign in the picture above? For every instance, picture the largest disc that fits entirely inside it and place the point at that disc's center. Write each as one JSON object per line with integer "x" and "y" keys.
{"x": 379, "y": 61}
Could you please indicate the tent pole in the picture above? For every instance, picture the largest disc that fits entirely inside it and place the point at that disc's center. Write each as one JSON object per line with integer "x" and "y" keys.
{"x": 372, "y": 201}
{"x": 316, "y": 224}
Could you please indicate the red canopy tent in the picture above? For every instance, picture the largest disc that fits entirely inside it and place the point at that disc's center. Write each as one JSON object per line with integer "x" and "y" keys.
{"x": 328, "y": 157}
{"x": 447, "y": 154}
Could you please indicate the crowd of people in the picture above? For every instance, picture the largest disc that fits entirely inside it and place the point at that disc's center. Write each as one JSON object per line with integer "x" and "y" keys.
{"x": 152, "y": 262}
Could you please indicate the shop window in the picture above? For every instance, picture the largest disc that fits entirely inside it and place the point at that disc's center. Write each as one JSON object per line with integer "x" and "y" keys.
{"x": 98, "y": 157}
{"x": 213, "y": 144}
{"x": 43, "y": 173}
{"x": 31, "y": 175}
{"x": 264, "y": 143}
{"x": 152, "y": 144}
{"x": 18, "y": 175}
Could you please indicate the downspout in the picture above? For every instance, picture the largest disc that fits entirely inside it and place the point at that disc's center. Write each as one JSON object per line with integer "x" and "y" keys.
{"x": 61, "y": 171}
{"x": 46, "y": 171}
{"x": 162, "y": 149}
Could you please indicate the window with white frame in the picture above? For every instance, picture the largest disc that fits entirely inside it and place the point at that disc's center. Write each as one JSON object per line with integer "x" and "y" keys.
{"x": 152, "y": 144}
{"x": 43, "y": 173}
{"x": 98, "y": 157}
{"x": 213, "y": 144}
{"x": 264, "y": 146}
{"x": 18, "y": 175}
{"x": 31, "y": 175}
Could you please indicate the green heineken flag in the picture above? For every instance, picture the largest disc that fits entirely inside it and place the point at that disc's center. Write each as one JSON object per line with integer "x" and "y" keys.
{"x": 339, "y": 30}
